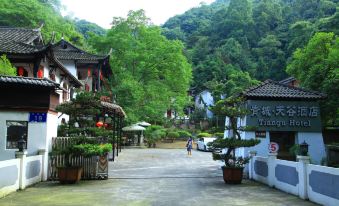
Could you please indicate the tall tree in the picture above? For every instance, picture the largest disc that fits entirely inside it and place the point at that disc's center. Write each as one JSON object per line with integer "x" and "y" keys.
{"x": 316, "y": 66}
{"x": 150, "y": 73}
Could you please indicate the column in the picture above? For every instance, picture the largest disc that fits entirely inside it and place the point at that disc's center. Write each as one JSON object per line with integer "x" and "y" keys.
{"x": 251, "y": 164}
{"x": 44, "y": 164}
{"x": 303, "y": 161}
{"x": 22, "y": 173}
{"x": 271, "y": 168}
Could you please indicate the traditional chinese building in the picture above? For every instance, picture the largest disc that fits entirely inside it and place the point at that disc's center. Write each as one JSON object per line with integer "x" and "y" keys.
{"x": 283, "y": 114}
{"x": 27, "y": 51}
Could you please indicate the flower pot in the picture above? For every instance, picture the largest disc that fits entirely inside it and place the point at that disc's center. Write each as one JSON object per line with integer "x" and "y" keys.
{"x": 232, "y": 175}
{"x": 69, "y": 175}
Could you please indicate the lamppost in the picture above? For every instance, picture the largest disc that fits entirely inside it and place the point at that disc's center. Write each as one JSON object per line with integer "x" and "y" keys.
{"x": 303, "y": 149}
{"x": 21, "y": 144}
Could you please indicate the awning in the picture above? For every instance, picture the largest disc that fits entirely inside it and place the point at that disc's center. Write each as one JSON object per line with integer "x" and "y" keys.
{"x": 133, "y": 127}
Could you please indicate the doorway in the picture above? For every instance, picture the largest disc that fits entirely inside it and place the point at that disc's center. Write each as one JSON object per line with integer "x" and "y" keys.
{"x": 285, "y": 141}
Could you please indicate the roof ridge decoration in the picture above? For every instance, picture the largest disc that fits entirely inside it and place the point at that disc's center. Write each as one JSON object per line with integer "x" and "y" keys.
{"x": 273, "y": 89}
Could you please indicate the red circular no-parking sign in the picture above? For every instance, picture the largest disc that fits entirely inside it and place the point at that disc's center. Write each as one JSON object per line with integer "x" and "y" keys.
{"x": 273, "y": 147}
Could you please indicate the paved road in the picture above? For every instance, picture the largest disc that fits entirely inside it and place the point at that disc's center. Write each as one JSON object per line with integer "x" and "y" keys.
{"x": 156, "y": 177}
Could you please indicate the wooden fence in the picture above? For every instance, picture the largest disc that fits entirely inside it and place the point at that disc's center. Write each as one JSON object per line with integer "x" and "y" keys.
{"x": 93, "y": 167}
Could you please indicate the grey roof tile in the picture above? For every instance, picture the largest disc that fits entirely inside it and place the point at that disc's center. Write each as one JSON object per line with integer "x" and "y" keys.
{"x": 276, "y": 90}
{"x": 29, "y": 81}
{"x": 18, "y": 40}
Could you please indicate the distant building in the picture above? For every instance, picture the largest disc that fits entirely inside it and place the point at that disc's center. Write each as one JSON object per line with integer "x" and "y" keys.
{"x": 203, "y": 101}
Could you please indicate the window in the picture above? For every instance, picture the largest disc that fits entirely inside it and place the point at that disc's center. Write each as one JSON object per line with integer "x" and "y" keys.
{"x": 16, "y": 130}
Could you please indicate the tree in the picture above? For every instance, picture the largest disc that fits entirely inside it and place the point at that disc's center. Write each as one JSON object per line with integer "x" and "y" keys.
{"x": 233, "y": 108}
{"x": 316, "y": 66}
{"x": 150, "y": 73}
{"x": 6, "y": 67}
{"x": 31, "y": 13}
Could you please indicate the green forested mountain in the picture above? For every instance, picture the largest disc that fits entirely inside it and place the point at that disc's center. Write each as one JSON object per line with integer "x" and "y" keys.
{"x": 32, "y": 13}
{"x": 86, "y": 27}
{"x": 232, "y": 42}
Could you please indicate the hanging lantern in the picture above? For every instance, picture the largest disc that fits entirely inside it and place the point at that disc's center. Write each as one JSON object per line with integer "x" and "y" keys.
{"x": 99, "y": 124}
{"x": 86, "y": 88}
{"x": 89, "y": 72}
{"x": 21, "y": 71}
{"x": 40, "y": 73}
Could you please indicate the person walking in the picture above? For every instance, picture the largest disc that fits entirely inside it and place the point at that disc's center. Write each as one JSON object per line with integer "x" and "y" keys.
{"x": 189, "y": 146}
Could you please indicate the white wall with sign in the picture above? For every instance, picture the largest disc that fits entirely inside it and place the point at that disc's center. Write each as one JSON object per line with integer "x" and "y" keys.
{"x": 308, "y": 129}
{"x": 39, "y": 134}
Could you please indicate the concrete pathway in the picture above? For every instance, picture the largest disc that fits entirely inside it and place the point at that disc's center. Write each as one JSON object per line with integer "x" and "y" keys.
{"x": 155, "y": 177}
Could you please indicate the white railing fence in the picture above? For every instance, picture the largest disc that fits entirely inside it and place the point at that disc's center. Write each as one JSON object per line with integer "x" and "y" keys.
{"x": 20, "y": 172}
{"x": 319, "y": 184}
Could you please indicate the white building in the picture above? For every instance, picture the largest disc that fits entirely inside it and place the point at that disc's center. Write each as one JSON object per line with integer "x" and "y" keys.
{"x": 283, "y": 114}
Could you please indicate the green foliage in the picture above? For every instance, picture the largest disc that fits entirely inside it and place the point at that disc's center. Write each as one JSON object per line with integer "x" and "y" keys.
{"x": 31, "y": 13}
{"x": 294, "y": 150}
{"x": 204, "y": 134}
{"x": 151, "y": 73}
{"x": 89, "y": 150}
{"x": 154, "y": 133}
{"x": 85, "y": 28}
{"x": 232, "y": 43}
{"x": 233, "y": 143}
{"x": 6, "y": 67}
{"x": 316, "y": 66}
{"x": 173, "y": 135}
{"x": 85, "y": 137}
{"x": 184, "y": 134}
{"x": 219, "y": 135}
{"x": 230, "y": 161}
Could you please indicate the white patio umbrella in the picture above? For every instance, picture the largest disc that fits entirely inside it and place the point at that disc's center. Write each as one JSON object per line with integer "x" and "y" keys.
{"x": 144, "y": 124}
{"x": 133, "y": 127}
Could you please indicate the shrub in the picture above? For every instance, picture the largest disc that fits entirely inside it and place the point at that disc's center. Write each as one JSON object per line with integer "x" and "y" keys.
{"x": 184, "y": 134}
{"x": 219, "y": 135}
{"x": 173, "y": 135}
{"x": 204, "y": 134}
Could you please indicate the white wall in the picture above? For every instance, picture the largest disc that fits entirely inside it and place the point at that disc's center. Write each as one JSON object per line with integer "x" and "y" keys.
{"x": 70, "y": 66}
{"x": 316, "y": 144}
{"x": 208, "y": 99}
{"x": 39, "y": 135}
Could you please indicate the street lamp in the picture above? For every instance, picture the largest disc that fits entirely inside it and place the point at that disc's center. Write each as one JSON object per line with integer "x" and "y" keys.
{"x": 303, "y": 149}
{"x": 21, "y": 144}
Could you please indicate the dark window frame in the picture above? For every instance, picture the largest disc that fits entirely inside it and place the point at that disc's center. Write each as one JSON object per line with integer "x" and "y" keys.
{"x": 13, "y": 143}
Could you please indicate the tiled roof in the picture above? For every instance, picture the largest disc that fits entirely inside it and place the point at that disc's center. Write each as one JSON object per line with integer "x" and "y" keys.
{"x": 64, "y": 50}
{"x": 29, "y": 81}
{"x": 275, "y": 90}
{"x": 113, "y": 108}
{"x": 287, "y": 80}
{"x": 18, "y": 40}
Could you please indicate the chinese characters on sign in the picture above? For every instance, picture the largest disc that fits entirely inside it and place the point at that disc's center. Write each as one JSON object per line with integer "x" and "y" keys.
{"x": 283, "y": 115}
{"x": 290, "y": 111}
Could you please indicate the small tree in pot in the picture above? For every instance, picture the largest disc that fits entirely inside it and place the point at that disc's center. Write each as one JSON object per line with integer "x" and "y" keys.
{"x": 233, "y": 108}
{"x": 85, "y": 139}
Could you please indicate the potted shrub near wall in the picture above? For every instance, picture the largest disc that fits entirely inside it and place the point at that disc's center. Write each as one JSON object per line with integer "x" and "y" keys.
{"x": 233, "y": 108}
{"x": 86, "y": 139}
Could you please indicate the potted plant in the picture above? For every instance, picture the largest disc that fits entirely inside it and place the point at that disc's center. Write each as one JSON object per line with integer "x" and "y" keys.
{"x": 233, "y": 108}
{"x": 85, "y": 138}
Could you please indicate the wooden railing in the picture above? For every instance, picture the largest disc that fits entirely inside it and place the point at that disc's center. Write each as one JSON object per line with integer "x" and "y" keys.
{"x": 92, "y": 167}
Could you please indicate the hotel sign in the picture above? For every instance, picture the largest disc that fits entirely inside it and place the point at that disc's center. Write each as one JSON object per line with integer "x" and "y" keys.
{"x": 283, "y": 115}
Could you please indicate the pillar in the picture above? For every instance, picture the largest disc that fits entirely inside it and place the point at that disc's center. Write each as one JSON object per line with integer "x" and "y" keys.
{"x": 251, "y": 163}
{"x": 271, "y": 168}
{"x": 44, "y": 164}
{"x": 303, "y": 161}
{"x": 22, "y": 174}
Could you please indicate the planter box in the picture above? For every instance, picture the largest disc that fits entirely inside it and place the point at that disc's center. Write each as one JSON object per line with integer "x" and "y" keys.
{"x": 232, "y": 175}
{"x": 69, "y": 175}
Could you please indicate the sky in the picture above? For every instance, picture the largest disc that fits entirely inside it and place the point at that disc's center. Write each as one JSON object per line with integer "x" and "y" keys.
{"x": 102, "y": 12}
